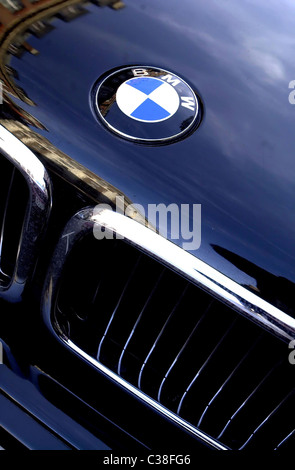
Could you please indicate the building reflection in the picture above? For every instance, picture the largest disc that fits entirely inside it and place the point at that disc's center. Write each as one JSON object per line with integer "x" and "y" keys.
{"x": 276, "y": 290}
{"x": 88, "y": 183}
{"x": 106, "y": 105}
{"x": 20, "y": 19}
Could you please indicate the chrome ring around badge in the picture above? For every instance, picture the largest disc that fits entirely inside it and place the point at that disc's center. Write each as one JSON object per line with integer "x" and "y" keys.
{"x": 146, "y": 104}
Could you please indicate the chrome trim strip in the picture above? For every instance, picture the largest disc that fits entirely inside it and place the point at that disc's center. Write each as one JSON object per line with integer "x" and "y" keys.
{"x": 170, "y": 255}
{"x": 38, "y": 210}
{"x": 198, "y": 272}
{"x": 4, "y": 217}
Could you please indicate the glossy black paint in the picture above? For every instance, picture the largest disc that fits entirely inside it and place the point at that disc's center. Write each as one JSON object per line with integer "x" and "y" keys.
{"x": 30, "y": 418}
{"x": 239, "y": 164}
{"x": 72, "y": 401}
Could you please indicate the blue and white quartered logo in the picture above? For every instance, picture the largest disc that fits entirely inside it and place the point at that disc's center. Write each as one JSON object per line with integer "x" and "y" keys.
{"x": 146, "y": 104}
{"x": 147, "y": 99}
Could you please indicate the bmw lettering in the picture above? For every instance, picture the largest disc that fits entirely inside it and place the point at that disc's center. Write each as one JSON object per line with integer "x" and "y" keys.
{"x": 146, "y": 104}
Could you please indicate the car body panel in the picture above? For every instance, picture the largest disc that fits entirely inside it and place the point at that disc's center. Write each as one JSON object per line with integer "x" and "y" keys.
{"x": 239, "y": 163}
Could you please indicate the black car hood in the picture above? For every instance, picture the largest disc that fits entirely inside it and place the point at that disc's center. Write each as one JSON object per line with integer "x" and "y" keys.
{"x": 239, "y": 164}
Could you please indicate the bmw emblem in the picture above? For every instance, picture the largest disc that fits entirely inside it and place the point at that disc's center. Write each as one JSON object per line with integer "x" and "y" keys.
{"x": 146, "y": 104}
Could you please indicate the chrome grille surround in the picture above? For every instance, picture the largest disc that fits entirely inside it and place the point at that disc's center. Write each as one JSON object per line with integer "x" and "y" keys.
{"x": 36, "y": 216}
{"x": 179, "y": 261}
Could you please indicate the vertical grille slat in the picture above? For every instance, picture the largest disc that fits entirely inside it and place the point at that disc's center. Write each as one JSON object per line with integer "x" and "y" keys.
{"x": 147, "y": 336}
{"x": 175, "y": 345}
{"x": 138, "y": 320}
{"x": 116, "y": 308}
{"x": 159, "y": 336}
{"x": 285, "y": 440}
{"x": 261, "y": 404}
{"x": 233, "y": 416}
{"x": 200, "y": 370}
{"x": 270, "y": 415}
{"x": 220, "y": 389}
{"x": 181, "y": 351}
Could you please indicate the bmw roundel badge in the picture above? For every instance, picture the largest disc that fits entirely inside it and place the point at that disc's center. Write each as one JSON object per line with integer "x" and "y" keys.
{"x": 146, "y": 104}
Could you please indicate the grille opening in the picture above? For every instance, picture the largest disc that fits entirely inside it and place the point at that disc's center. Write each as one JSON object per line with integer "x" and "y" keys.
{"x": 188, "y": 351}
{"x": 14, "y": 197}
